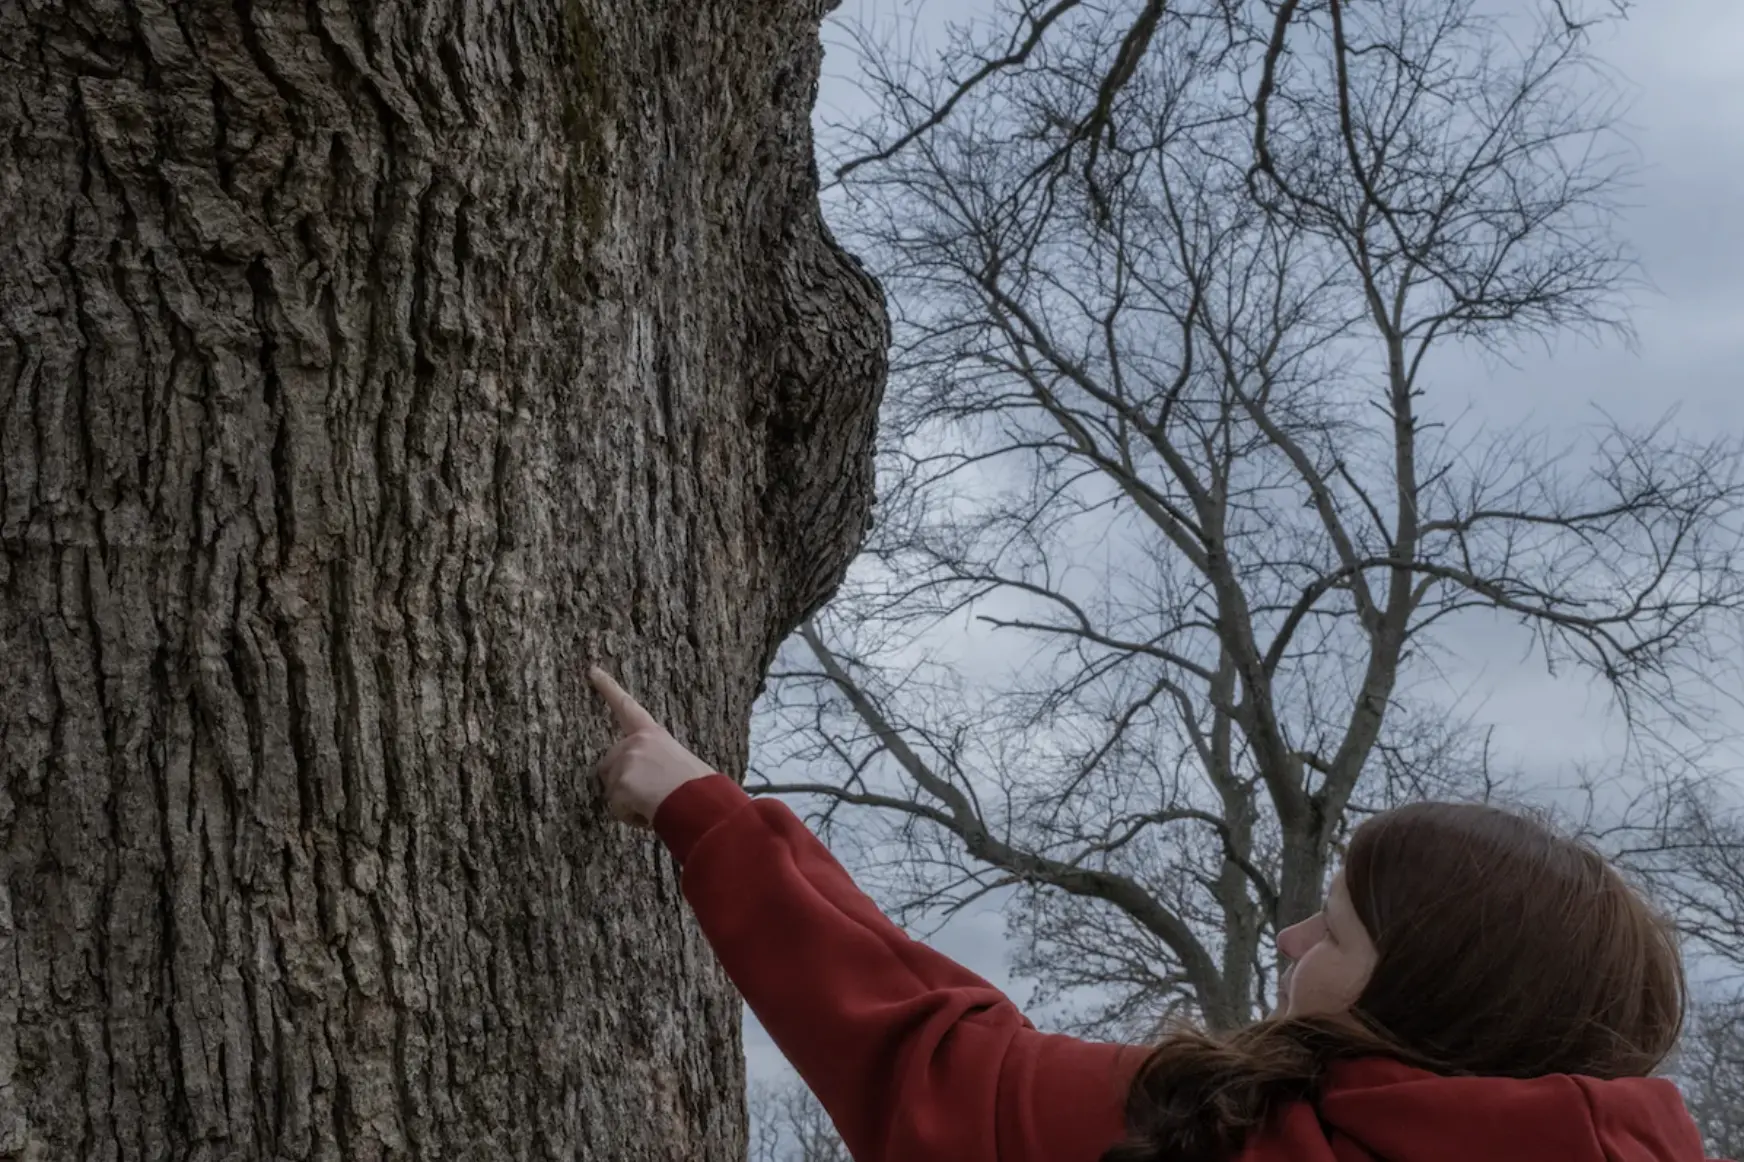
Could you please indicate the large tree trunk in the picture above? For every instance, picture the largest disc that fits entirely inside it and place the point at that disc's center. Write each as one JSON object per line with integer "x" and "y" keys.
{"x": 367, "y": 368}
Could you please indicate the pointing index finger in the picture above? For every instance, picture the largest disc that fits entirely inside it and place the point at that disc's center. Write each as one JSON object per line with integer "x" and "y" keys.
{"x": 626, "y": 711}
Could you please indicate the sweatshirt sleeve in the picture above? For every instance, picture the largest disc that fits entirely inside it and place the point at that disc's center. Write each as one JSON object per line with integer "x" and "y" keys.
{"x": 915, "y": 1058}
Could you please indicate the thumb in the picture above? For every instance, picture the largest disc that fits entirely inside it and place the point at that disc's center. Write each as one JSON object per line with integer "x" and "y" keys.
{"x": 626, "y": 711}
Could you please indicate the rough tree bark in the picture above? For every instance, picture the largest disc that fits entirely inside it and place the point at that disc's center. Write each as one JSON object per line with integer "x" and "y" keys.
{"x": 366, "y": 369}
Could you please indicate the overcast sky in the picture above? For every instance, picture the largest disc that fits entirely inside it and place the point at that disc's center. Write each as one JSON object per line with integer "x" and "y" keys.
{"x": 1684, "y": 62}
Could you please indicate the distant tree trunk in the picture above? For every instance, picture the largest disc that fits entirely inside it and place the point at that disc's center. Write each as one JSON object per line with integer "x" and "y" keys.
{"x": 365, "y": 371}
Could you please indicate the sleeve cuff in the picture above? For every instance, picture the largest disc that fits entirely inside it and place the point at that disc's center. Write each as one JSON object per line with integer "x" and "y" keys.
{"x": 694, "y": 809}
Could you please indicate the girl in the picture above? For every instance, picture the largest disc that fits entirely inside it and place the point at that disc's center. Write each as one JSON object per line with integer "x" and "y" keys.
{"x": 1475, "y": 988}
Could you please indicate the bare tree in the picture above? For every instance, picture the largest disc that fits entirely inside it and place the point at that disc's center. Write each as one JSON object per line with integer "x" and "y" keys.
{"x": 788, "y": 1124}
{"x": 366, "y": 371}
{"x": 1685, "y": 845}
{"x": 1710, "y": 1069}
{"x": 1173, "y": 429}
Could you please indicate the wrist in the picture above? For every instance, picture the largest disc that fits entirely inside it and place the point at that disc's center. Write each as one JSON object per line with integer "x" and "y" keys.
{"x": 694, "y": 808}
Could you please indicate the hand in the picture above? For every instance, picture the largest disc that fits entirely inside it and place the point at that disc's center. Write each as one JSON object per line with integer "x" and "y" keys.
{"x": 647, "y": 764}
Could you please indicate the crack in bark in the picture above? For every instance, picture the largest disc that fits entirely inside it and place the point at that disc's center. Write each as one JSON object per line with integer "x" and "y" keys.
{"x": 328, "y": 459}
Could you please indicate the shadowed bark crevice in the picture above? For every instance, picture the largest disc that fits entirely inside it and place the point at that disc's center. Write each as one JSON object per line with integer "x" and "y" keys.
{"x": 366, "y": 372}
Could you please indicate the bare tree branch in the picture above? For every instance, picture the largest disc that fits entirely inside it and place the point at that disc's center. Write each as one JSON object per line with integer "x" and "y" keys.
{"x": 1182, "y": 522}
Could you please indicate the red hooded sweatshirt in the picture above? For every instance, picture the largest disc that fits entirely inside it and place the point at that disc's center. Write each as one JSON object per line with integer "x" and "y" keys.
{"x": 917, "y": 1059}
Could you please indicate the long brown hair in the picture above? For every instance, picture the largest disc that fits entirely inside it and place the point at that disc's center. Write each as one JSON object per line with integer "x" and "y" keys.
{"x": 1503, "y": 949}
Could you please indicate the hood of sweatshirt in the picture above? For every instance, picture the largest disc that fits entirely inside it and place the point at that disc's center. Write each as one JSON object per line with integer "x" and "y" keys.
{"x": 1395, "y": 1113}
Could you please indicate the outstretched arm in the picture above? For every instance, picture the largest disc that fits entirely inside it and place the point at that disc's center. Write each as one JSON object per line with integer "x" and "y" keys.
{"x": 914, "y": 1057}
